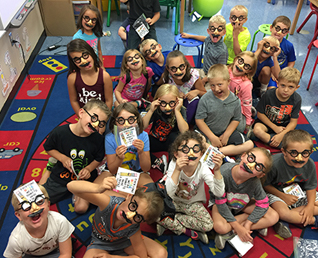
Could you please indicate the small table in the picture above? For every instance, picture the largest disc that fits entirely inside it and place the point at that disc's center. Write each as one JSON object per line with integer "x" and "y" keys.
{"x": 298, "y": 9}
{"x": 189, "y": 43}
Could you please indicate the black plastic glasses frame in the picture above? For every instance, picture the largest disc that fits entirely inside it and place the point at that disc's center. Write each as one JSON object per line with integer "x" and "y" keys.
{"x": 213, "y": 29}
{"x": 171, "y": 103}
{"x": 38, "y": 200}
{"x": 78, "y": 60}
{"x": 272, "y": 48}
{"x": 133, "y": 206}
{"x": 247, "y": 67}
{"x": 278, "y": 29}
{"x": 186, "y": 149}
{"x": 120, "y": 120}
{"x": 294, "y": 153}
{"x": 94, "y": 118}
{"x": 259, "y": 167}
{"x": 87, "y": 19}
{"x": 152, "y": 47}
{"x": 131, "y": 58}
{"x": 240, "y": 18}
{"x": 180, "y": 67}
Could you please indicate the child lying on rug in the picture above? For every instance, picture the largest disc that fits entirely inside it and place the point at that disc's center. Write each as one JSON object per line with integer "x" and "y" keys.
{"x": 293, "y": 167}
{"x": 116, "y": 224}
{"x": 40, "y": 232}
{"x": 185, "y": 185}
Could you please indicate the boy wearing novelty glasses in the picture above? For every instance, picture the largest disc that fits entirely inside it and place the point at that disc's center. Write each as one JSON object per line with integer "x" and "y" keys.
{"x": 79, "y": 149}
{"x": 215, "y": 51}
{"x": 116, "y": 223}
{"x": 293, "y": 167}
{"x": 40, "y": 232}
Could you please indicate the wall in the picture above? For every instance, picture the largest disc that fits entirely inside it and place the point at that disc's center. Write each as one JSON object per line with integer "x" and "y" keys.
{"x": 11, "y": 62}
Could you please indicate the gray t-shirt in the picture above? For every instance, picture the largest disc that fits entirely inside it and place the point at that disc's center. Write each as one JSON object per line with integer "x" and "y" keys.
{"x": 282, "y": 175}
{"x": 236, "y": 197}
{"x": 218, "y": 114}
{"x": 214, "y": 53}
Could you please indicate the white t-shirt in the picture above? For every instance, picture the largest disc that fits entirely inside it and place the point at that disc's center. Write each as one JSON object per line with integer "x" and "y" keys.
{"x": 59, "y": 229}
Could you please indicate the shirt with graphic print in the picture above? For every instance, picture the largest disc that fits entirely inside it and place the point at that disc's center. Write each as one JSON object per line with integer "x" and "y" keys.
{"x": 92, "y": 40}
{"x": 131, "y": 160}
{"x": 161, "y": 128}
{"x": 282, "y": 175}
{"x": 236, "y": 196}
{"x": 134, "y": 89}
{"x": 82, "y": 150}
{"x": 279, "y": 113}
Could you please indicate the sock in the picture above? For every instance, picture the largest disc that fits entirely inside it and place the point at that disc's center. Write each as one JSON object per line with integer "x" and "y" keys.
{"x": 188, "y": 232}
{"x": 138, "y": 102}
{"x": 263, "y": 87}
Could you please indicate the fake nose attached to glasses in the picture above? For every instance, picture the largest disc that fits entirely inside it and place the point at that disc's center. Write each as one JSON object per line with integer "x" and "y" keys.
{"x": 299, "y": 157}
{"x": 167, "y": 107}
{"x": 130, "y": 214}
{"x": 95, "y": 124}
{"x": 83, "y": 61}
{"x": 251, "y": 165}
{"x": 34, "y": 207}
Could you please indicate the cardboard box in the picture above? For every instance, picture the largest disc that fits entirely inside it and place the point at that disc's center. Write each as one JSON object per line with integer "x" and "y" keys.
{"x": 58, "y": 17}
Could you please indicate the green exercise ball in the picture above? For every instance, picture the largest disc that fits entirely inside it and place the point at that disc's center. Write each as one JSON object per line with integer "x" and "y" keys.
{"x": 207, "y": 8}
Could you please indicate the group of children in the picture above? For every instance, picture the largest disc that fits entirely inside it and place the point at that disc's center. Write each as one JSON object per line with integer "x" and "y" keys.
{"x": 244, "y": 196}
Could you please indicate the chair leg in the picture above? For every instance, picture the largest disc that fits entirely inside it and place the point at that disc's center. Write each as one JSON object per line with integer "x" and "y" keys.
{"x": 304, "y": 22}
{"x": 313, "y": 39}
{"x": 177, "y": 18}
{"x": 302, "y": 70}
{"x": 108, "y": 12}
{"x": 117, "y": 8}
{"x": 312, "y": 74}
{"x": 254, "y": 39}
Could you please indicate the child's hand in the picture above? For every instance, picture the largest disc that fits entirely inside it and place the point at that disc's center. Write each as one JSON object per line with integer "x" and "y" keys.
{"x": 236, "y": 29}
{"x": 216, "y": 142}
{"x": 181, "y": 94}
{"x": 192, "y": 94}
{"x": 182, "y": 162}
{"x": 67, "y": 163}
{"x": 139, "y": 144}
{"x": 260, "y": 44}
{"x": 277, "y": 52}
{"x": 185, "y": 35}
{"x": 108, "y": 183}
{"x": 276, "y": 140}
{"x": 290, "y": 199}
{"x": 179, "y": 104}
{"x": 149, "y": 21}
{"x": 274, "y": 78}
{"x": 154, "y": 105}
{"x": 244, "y": 234}
{"x": 120, "y": 151}
{"x": 279, "y": 129}
{"x": 217, "y": 160}
{"x": 123, "y": 101}
{"x": 224, "y": 139}
{"x": 307, "y": 214}
{"x": 84, "y": 174}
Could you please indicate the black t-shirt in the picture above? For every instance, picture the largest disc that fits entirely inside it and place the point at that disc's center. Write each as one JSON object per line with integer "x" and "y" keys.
{"x": 279, "y": 113}
{"x": 82, "y": 150}
{"x": 138, "y": 7}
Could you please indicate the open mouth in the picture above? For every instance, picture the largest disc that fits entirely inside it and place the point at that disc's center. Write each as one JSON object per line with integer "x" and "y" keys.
{"x": 153, "y": 55}
{"x": 135, "y": 63}
{"x": 239, "y": 69}
{"x": 84, "y": 65}
{"x": 247, "y": 168}
{"x": 36, "y": 215}
{"x": 215, "y": 38}
{"x": 192, "y": 158}
{"x": 125, "y": 217}
{"x": 92, "y": 127}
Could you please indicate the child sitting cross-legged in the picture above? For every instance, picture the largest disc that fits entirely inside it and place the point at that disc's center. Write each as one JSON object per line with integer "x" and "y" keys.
{"x": 185, "y": 180}
{"x": 244, "y": 206}
{"x": 293, "y": 167}
{"x": 40, "y": 232}
{"x": 219, "y": 114}
{"x": 116, "y": 223}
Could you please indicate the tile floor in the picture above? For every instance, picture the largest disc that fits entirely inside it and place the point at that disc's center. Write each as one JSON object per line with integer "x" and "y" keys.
{"x": 260, "y": 12}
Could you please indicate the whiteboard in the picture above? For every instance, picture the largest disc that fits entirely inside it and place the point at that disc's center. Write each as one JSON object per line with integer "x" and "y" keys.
{"x": 8, "y": 9}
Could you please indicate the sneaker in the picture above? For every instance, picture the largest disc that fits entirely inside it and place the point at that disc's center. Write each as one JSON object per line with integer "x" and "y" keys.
{"x": 262, "y": 231}
{"x": 221, "y": 239}
{"x": 282, "y": 229}
{"x": 161, "y": 164}
{"x": 197, "y": 235}
{"x": 160, "y": 230}
{"x": 315, "y": 226}
{"x": 254, "y": 112}
{"x": 165, "y": 163}
{"x": 144, "y": 103}
{"x": 51, "y": 163}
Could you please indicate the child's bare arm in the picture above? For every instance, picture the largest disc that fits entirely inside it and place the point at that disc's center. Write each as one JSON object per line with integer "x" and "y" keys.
{"x": 307, "y": 212}
{"x": 215, "y": 141}
{"x": 118, "y": 91}
{"x": 66, "y": 161}
{"x": 154, "y": 19}
{"x": 200, "y": 87}
{"x": 287, "y": 198}
{"x": 182, "y": 124}
{"x": 236, "y": 45}
{"x": 138, "y": 245}
{"x": 85, "y": 172}
{"x": 291, "y": 64}
{"x": 65, "y": 248}
{"x": 100, "y": 54}
{"x": 189, "y": 36}
{"x": 276, "y": 139}
{"x": 114, "y": 161}
{"x": 276, "y": 68}
{"x": 108, "y": 90}
{"x": 147, "y": 117}
{"x": 144, "y": 156}
{"x": 217, "y": 159}
{"x": 72, "y": 92}
{"x": 266, "y": 121}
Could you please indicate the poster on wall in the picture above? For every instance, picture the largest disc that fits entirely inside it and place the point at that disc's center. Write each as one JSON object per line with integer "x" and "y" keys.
{"x": 13, "y": 70}
{"x": 5, "y": 84}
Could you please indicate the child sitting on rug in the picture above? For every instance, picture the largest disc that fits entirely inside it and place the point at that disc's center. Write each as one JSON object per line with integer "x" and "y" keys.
{"x": 156, "y": 60}
{"x": 293, "y": 167}
{"x": 186, "y": 176}
{"x": 134, "y": 80}
{"x": 116, "y": 223}
{"x": 215, "y": 51}
{"x": 219, "y": 114}
{"x": 40, "y": 232}
{"x": 278, "y": 109}
{"x": 179, "y": 72}
{"x": 79, "y": 149}
{"x": 244, "y": 206}
{"x": 168, "y": 118}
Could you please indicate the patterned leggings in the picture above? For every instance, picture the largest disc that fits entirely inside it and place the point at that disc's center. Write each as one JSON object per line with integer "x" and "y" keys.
{"x": 192, "y": 216}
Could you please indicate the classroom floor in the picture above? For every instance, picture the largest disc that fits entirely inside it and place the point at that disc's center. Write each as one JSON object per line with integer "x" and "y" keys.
{"x": 260, "y": 12}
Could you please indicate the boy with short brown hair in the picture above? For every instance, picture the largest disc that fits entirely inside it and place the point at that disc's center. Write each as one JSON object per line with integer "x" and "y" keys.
{"x": 293, "y": 166}
{"x": 278, "y": 109}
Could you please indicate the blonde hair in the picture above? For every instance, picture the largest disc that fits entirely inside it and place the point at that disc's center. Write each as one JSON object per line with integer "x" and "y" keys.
{"x": 297, "y": 135}
{"x": 289, "y": 74}
{"x": 96, "y": 103}
{"x": 15, "y": 202}
{"x": 272, "y": 39}
{"x": 251, "y": 72}
{"x": 218, "y": 71}
{"x": 219, "y": 19}
{"x": 144, "y": 43}
{"x": 240, "y": 8}
{"x": 124, "y": 70}
{"x": 283, "y": 19}
{"x": 165, "y": 89}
